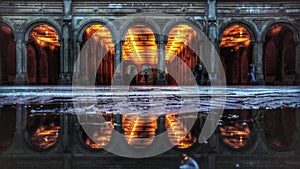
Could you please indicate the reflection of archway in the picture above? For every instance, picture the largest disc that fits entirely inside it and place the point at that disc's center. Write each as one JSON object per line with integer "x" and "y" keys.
{"x": 141, "y": 50}
{"x": 279, "y": 55}
{"x": 43, "y": 51}
{"x": 180, "y": 40}
{"x": 236, "y": 128}
{"x": 7, "y": 55}
{"x": 280, "y": 127}
{"x": 236, "y": 54}
{"x": 100, "y": 46}
{"x": 7, "y": 125}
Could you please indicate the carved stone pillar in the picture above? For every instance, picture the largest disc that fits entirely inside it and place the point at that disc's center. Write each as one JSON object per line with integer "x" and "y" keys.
{"x": 258, "y": 60}
{"x": 212, "y": 35}
{"x": 65, "y": 65}
{"x": 65, "y": 73}
{"x": 118, "y": 63}
{"x": 21, "y": 60}
{"x": 161, "y": 42}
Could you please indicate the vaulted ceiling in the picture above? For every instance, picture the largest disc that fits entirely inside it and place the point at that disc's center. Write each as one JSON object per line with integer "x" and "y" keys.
{"x": 45, "y": 35}
{"x": 234, "y": 36}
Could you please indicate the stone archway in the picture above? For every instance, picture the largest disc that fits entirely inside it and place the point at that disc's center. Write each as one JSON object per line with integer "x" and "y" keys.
{"x": 99, "y": 58}
{"x": 182, "y": 39}
{"x": 279, "y": 55}
{"x": 236, "y": 54}
{"x": 7, "y": 55}
{"x": 43, "y": 56}
{"x": 140, "y": 49}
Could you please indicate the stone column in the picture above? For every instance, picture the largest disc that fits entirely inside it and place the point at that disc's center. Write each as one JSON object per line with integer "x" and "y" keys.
{"x": 161, "y": 42}
{"x": 18, "y": 143}
{"x": 161, "y": 125}
{"x": 212, "y": 35}
{"x": 297, "y": 67}
{"x": 118, "y": 63}
{"x": 21, "y": 60}
{"x": 77, "y": 70}
{"x": 65, "y": 65}
{"x": 258, "y": 60}
{"x": 65, "y": 75}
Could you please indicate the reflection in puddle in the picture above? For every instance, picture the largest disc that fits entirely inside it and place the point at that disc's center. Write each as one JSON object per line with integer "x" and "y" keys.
{"x": 102, "y": 132}
{"x": 235, "y": 128}
{"x": 280, "y": 126}
{"x": 7, "y": 125}
{"x": 177, "y": 132}
{"x": 43, "y": 128}
{"x": 139, "y": 130}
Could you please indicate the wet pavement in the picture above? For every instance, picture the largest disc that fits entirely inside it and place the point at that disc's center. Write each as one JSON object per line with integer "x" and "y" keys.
{"x": 154, "y": 100}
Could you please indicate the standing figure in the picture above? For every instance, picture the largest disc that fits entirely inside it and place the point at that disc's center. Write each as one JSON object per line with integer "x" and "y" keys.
{"x": 198, "y": 72}
{"x": 146, "y": 77}
{"x": 253, "y": 74}
{"x": 188, "y": 163}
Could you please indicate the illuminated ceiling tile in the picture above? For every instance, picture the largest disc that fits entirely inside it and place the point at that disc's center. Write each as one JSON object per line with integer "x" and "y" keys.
{"x": 139, "y": 46}
{"x": 235, "y": 35}
{"x": 178, "y": 37}
{"x": 45, "y": 35}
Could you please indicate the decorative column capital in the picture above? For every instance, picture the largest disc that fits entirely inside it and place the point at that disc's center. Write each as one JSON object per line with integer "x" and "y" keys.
{"x": 161, "y": 39}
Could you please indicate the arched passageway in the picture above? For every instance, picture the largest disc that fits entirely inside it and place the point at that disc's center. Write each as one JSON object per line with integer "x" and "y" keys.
{"x": 140, "y": 50}
{"x": 43, "y": 55}
{"x": 181, "y": 46}
{"x": 279, "y": 55}
{"x": 7, "y": 55}
{"x": 99, "y": 56}
{"x": 236, "y": 54}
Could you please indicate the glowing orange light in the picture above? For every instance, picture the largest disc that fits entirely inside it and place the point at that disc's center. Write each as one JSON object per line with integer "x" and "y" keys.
{"x": 235, "y": 135}
{"x": 102, "y": 133}
{"x": 100, "y": 33}
{"x": 235, "y": 35}
{"x": 177, "y": 132}
{"x": 139, "y": 130}
{"x": 139, "y": 46}
{"x": 45, "y": 135}
{"x": 45, "y": 35}
{"x": 179, "y": 36}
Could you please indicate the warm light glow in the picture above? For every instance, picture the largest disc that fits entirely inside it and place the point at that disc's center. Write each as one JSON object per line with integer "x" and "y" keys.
{"x": 235, "y": 132}
{"x": 139, "y": 130}
{"x": 179, "y": 36}
{"x": 177, "y": 132}
{"x": 45, "y": 35}
{"x": 102, "y": 34}
{"x": 235, "y": 35}
{"x": 139, "y": 46}
{"x": 102, "y": 133}
{"x": 45, "y": 135}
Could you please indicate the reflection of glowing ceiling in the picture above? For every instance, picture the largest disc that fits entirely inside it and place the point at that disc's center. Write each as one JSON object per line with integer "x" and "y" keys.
{"x": 139, "y": 131}
{"x": 101, "y": 34}
{"x": 45, "y": 35}
{"x": 179, "y": 36}
{"x": 234, "y": 36}
{"x": 139, "y": 45}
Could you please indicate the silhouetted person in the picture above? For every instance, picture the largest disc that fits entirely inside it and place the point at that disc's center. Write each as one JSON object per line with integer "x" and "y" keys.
{"x": 146, "y": 77}
{"x": 188, "y": 163}
{"x": 140, "y": 78}
{"x": 253, "y": 74}
{"x": 198, "y": 72}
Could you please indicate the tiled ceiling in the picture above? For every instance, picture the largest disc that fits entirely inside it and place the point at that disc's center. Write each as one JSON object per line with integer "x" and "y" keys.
{"x": 45, "y": 35}
{"x": 234, "y": 36}
{"x": 139, "y": 46}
